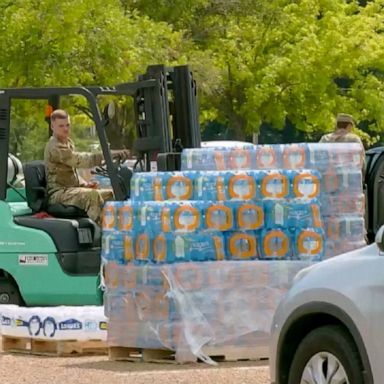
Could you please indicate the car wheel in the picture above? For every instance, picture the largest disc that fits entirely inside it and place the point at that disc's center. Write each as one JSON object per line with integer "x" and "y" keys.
{"x": 9, "y": 293}
{"x": 327, "y": 355}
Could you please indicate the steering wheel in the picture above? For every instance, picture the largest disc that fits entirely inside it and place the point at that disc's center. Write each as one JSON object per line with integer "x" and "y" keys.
{"x": 102, "y": 169}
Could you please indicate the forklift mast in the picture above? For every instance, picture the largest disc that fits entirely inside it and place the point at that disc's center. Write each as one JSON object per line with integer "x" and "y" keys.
{"x": 180, "y": 128}
{"x": 166, "y": 114}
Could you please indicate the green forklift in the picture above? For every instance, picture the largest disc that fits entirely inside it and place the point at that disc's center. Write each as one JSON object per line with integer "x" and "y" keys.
{"x": 56, "y": 260}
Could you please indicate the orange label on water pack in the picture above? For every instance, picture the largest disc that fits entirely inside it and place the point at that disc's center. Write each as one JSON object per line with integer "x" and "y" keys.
{"x": 274, "y": 177}
{"x": 240, "y": 159}
{"x": 125, "y": 218}
{"x": 242, "y": 213}
{"x": 128, "y": 275}
{"x": 109, "y": 219}
{"x": 219, "y": 160}
{"x": 316, "y": 216}
{"x": 157, "y": 187}
{"x": 271, "y": 251}
{"x": 182, "y": 214}
{"x": 111, "y": 275}
{"x": 224, "y": 277}
{"x": 160, "y": 248}
{"x": 219, "y": 247}
{"x": 142, "y": 247}
{"x": 190, "y": 275}
{"x": 294, "y": 157}
{"x": 220, "y": 188}
{"x": 333, "y": 229}
{"x": 182, "y": 180}
{"x": 265, "y": 158}
{"x": 166, "y": 220}
{"x": 128, "y": 248}
{"x": 249, "y": 251}
{"x": 209, "y": 217}
{"x": 151, "y": 306}
{"x": 303, "y": 237}
{"x": 235, "y": 181}
{"x": 314, "y": 181}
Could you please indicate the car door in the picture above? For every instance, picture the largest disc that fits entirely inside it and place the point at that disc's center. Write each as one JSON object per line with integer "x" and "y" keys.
{"x": 374, "y": 190}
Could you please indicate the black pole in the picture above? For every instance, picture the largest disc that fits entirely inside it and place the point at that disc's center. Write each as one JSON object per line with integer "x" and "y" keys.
{"x": 53, "y": 103}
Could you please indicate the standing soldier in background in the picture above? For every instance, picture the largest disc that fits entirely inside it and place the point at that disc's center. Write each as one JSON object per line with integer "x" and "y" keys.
{"x": 343, "y": 134}
{"x": 64, "y": 185}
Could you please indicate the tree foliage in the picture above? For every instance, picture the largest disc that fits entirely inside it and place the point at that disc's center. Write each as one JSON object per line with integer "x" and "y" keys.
{"x": 276, "y": 64}
{"x": 285, "y": 61}
{"x": 75, "y": 42}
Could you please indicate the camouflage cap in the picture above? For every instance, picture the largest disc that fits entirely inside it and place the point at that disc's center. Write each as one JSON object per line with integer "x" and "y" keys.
{"x": 345, "y": 118}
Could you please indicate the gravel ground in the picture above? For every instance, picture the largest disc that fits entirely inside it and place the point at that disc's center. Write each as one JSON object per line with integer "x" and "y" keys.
{"x": 18, "y": 369}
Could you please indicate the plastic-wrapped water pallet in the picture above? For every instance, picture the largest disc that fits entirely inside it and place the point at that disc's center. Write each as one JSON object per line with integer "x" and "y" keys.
{"x": 160, "y": 296}
{"x": 195, "y": 310}
{"x": 339, "y": 164}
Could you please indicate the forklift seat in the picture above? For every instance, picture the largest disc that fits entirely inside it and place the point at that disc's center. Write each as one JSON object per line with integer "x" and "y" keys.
{"x": 72, "y": 231}
{"x": 37, "y": 197}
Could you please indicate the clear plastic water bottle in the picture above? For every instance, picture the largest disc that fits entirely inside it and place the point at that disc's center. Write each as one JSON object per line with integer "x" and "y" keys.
{"x": 275, "y": 185}
{"x": 276, "y": 244}
{"x": 242, "y": 185}
{"x": 219, "y": 217}
{"x": 241, "y": 245}
{"x": 249, "y": 215}
{"x": 309, "y": 244}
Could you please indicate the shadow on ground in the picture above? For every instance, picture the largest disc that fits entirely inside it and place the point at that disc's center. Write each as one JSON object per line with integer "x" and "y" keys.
{"x": 125, "y": 366}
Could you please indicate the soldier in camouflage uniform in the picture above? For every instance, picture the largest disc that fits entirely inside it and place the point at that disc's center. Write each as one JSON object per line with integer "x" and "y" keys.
{"x": 64, "y": 185}
{"x": 344, "y": 134}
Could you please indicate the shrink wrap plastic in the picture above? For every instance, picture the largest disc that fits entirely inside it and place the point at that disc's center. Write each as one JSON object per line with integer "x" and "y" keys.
{"x": 202, "y": 257}
{"x": 341, "y": 189}
{"x": 186, "y": 306}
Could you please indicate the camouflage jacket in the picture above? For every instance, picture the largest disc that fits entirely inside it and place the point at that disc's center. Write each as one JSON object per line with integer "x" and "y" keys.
{"x": 61, "y": 163}
{"x": 341, "y": 136}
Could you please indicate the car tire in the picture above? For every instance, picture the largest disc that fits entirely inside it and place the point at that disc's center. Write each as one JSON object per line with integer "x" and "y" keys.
{"x": 9, "y": 293}
{"x": 332, "y": 350}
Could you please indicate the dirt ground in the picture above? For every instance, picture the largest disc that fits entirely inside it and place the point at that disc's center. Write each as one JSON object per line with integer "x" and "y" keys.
{"x": 18, "y": 369}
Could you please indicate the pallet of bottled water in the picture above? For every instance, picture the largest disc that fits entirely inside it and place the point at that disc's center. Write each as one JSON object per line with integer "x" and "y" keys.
{"x": 190, "y": 251}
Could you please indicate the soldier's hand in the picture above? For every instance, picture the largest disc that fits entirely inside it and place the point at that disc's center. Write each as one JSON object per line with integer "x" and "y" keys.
{"x": 92, "y": 184}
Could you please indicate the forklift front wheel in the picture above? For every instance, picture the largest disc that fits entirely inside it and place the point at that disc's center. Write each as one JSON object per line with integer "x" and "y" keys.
{"x": 9, "y": 293}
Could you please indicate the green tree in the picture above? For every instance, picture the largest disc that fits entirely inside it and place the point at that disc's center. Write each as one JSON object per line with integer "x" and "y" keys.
{"x": 282, "y": 61}
{"x": 277, "y": 63}
{"x": 75, "y": 42}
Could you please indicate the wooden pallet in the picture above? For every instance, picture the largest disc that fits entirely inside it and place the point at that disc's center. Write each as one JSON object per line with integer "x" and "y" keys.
{"x": 222, "y": 353}
{"x": 53, "y": 347}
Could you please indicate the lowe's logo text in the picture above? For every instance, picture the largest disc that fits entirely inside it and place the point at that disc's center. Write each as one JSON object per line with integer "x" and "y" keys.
{"x": 71, "y": 324}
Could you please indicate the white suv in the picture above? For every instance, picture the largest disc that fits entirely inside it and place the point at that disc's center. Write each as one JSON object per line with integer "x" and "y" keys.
{"x": 329, "y": 328}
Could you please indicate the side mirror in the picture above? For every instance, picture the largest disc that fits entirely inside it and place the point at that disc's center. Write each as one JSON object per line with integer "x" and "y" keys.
{"x": 109, "y": 112}
{"x": 379, "y": 239}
